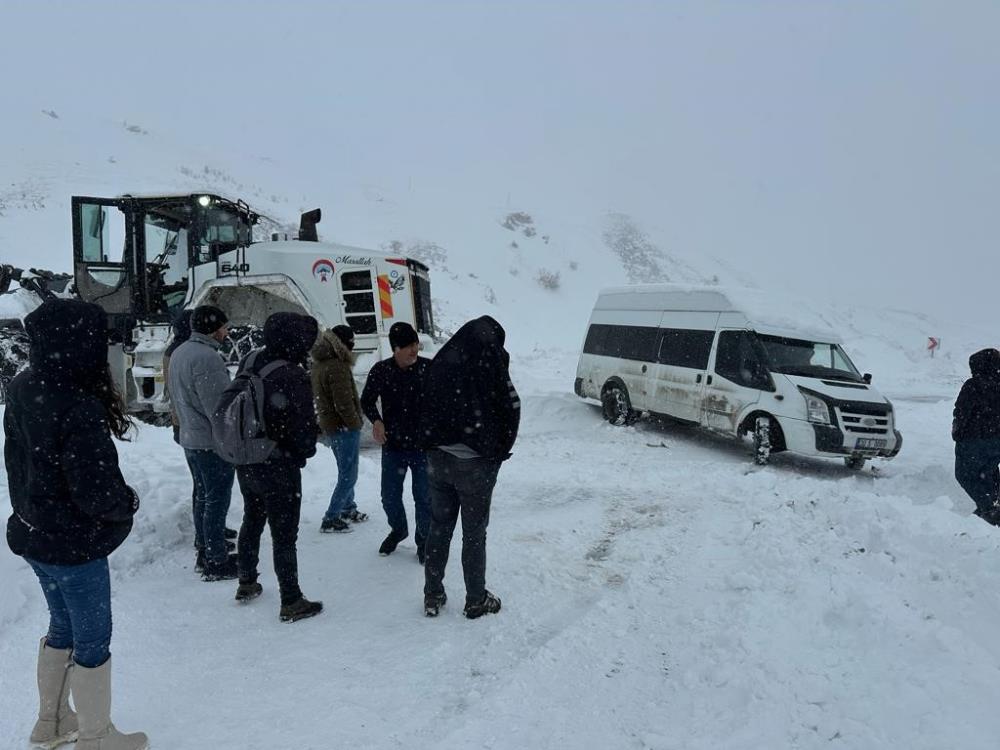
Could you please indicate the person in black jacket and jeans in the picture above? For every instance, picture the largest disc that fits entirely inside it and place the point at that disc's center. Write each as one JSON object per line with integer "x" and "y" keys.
{"x": 272, "y": 490}
{"x": 976, "y": 431}
{"x": 470, "y": 414}
{"x": 71, "y": 509}
{"x": 397, "y": 382}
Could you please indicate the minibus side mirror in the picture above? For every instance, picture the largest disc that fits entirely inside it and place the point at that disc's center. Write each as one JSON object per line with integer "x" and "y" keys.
{"x": 867, "y": 377}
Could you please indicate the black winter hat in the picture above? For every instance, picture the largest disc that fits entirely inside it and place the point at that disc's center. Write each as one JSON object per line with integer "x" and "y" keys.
{"x": 985, "y": 363}
{"x": 69, "y": 338}
{"x": 182, "y": 326}
{"x": 290, "y": 336}
{"x": 207, "y": 319}
{"x": 345, "y": 334}
{"x": 401, "y": 335}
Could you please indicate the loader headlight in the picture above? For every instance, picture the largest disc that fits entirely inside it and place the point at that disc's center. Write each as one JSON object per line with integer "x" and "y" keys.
{"x": 816, "y": 409}
{"x": 205, "y": 200}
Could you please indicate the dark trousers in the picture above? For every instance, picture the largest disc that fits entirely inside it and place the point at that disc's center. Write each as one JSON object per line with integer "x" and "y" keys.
{"x": 213, "y": 491}
{"x": 976, "y": 463}
{"x": 459, "y": 487}
{"x": 394, "y": 466}
{"x": 272, "y": 495}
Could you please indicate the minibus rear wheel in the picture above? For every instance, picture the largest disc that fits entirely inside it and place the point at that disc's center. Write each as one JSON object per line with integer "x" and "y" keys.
{"x": 617, "y": 405}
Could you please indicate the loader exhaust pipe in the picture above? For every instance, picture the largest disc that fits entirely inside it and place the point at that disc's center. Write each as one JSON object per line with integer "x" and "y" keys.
{"x": 307, "y": 226}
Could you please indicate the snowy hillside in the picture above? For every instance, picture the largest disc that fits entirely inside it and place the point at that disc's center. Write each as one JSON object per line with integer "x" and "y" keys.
{"x": 658, "y": 593}
{"x": 538, "y": 273}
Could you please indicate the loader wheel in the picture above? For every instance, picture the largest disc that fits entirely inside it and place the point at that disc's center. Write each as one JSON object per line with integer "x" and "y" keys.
{"x": 240, "y": 342}
{"x": 617, "y": 406}
{"x": 153, "y": 418}
{"x": 13, "y": 356}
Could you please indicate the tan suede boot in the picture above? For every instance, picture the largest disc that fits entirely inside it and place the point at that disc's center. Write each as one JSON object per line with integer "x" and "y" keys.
{"x": 92, "y": 698}
{"x": 56, "y": 723}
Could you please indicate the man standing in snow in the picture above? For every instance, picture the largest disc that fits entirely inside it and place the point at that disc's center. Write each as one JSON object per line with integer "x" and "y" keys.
{"x": 272, "y": 490}
{"x": 397, "y": 383}
{"x": 976, "y": 432}
{"x": 339, "y": 412}
{"x": 196, "y": 379}
{"x": 470, "y": 414}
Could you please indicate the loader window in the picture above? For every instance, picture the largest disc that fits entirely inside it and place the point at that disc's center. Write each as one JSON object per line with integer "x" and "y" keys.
{"x": 358, "y": 290}
{"x": 422, "y": 304}
{"x": 103, "y": 233}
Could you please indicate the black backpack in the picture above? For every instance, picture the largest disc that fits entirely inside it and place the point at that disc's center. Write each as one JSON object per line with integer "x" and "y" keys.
{"x": 238, "y": 426}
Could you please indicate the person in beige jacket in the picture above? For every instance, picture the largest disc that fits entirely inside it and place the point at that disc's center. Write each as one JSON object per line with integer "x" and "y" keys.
{"x": 339, "y": 413}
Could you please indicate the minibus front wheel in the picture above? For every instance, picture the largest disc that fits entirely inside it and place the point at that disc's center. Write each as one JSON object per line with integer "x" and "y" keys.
{"x": 617, "y": 405}
{"x": 855, "y": 462}
{"x": 766, "y": 434}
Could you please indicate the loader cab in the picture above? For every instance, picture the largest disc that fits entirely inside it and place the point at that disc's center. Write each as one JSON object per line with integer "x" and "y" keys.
{"x": 133, "y": 255}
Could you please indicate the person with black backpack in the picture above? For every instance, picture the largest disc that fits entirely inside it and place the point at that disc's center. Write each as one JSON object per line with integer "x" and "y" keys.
{"x": 274, "y": 380}
{"x": 470, "y": 413}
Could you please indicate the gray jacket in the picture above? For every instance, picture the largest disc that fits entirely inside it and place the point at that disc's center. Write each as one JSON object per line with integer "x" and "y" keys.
{"x": 196, "y": 379}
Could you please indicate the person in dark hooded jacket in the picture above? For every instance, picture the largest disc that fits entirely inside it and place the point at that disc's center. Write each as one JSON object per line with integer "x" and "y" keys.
{"x": 272, "y": 490}
{"x": 469, "y": 419}
{"x": 71, "y": 509}
{"x": 976, "y": 432}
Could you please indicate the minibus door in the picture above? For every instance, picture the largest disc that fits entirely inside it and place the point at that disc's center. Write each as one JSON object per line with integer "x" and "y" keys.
{"x": 682, "y": 363}
{"x": 737, "y": 377}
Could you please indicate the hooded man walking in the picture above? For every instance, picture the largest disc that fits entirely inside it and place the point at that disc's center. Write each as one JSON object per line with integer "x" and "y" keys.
{"x": 196, "y": 379}
{"x": 71, "y": 509}
{"x": 396, "y": 382}
{"x": 976, "y": 432}
{"x": 339, "y": 412}
{"x": 469, "y": 418}
{"x": 272, "y": 490}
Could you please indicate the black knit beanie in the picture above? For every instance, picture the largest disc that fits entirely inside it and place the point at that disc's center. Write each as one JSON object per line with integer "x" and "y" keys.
{"x": 402, "y": 335}
{"x": 207, "y": 319}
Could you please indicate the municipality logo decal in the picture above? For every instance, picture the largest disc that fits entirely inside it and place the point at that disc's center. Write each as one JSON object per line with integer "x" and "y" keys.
{"x": 323, "y": 270}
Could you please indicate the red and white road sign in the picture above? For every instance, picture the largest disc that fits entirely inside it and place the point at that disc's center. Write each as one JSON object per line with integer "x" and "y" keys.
{"x": 932, "y": 344}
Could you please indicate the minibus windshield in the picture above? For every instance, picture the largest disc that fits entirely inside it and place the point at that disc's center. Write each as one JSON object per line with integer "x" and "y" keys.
{"x": 809, "y": 358}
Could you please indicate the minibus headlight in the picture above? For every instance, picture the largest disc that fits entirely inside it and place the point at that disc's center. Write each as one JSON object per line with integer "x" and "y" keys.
{"x": 816, "y": 409}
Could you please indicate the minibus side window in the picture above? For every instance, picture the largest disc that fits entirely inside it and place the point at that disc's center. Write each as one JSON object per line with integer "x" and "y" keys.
{"x": 597, "y": 338}
{"x": 738, "y": 360}
{"x": 685, "y": 348}
{"x": 638, "y": 343}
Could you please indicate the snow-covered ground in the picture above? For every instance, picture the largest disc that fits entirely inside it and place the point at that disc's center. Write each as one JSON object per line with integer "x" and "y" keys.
{"x": 658, "y": 593}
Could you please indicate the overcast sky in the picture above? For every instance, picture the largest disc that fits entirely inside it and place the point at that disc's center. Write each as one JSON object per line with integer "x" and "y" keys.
{"x": 841, "y": 143}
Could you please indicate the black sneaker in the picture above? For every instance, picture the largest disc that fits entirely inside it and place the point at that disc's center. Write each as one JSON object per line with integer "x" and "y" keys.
{"x": 354, "y": 516}
{"x": 490, "y": 605}
{"x": 231, "y": 533}
{"x": 199, "y": 561}
{"x": 225, "y": 572}
{"x": 335, "y": 526}
{"x": 390, "y": 543}
{"x": 433, "y": 604}
{"x": 247, "y": 591}
{"x": 300, "y": 609}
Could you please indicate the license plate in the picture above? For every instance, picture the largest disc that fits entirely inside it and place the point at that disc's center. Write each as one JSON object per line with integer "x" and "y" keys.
{"x": 870, "y": 443}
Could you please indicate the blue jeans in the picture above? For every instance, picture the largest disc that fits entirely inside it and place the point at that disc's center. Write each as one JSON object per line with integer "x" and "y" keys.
{"x": 213, "y": 489}
{"x": 345, "y": 445}
{"x": 394, "y": 466}
{"x": 79, "y": 599}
